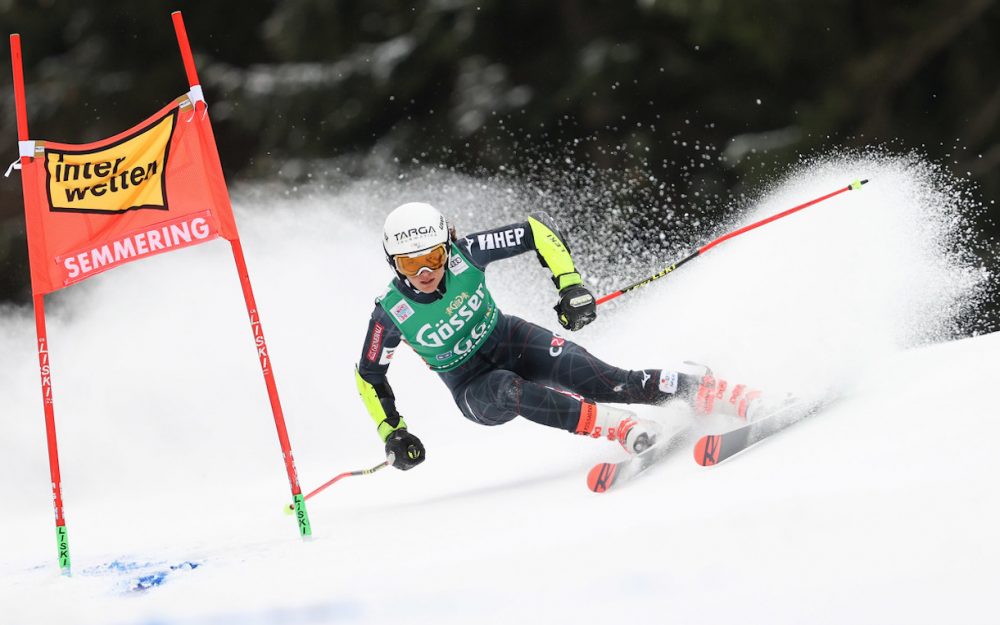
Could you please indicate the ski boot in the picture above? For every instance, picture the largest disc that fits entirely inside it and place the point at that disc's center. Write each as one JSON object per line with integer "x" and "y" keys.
{"x": 710, "y": 395}
{"x": 636, "y": 435}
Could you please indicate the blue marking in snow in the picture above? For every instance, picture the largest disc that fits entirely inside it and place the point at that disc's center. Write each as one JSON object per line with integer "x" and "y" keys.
{"x": 118, "y": 566}
{"x": 146, "y": 582}
{"x": 140, "y": 576}
{"x": 185, "y": 565}
{"x": 156, "y": 578}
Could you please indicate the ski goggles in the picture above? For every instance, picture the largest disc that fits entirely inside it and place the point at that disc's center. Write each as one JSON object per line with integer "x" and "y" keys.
{"x": 432, "y": 260}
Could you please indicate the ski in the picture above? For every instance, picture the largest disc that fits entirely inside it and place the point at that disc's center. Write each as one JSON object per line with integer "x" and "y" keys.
{"x": 715, "y": 448}
{"x": 607, "y": 475}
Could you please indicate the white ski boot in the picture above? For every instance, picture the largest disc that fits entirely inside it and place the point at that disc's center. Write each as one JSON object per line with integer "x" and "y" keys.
{"x": 633, "y": 433}
{"x": 715, "y": 396}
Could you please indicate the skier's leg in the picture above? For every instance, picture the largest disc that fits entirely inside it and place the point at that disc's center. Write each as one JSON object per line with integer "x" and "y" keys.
{"x": 499, "y": 395}
{"x": 548, "y": 358}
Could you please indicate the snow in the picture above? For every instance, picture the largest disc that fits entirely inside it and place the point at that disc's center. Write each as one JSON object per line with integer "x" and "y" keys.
{"x": 880, "y": 509}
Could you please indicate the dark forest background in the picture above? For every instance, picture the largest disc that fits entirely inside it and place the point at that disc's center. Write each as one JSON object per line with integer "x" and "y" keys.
{"x": 707, "y": 97}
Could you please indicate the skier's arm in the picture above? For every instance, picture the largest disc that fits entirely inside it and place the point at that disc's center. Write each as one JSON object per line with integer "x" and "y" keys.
{"x": 370, "y": 374}
{"x": 382, "y": 339}
{"x": 538, "y": 234}
{"x": 576, "y": 307}
{"x": 553, "y": 252}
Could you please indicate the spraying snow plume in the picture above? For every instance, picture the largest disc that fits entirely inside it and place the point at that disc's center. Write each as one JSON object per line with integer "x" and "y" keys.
{"x": 809, "y": 298}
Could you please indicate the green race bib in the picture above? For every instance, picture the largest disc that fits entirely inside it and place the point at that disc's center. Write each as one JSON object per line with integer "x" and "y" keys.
{"x": 446, "y": 332}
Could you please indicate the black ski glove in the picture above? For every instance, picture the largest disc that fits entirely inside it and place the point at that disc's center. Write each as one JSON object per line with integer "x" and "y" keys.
{"x": 576, "y": 307}
{"x": 407, "y": 450}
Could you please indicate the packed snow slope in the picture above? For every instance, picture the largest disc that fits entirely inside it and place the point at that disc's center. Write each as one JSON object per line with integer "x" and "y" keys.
{"x": 882, "y": 509}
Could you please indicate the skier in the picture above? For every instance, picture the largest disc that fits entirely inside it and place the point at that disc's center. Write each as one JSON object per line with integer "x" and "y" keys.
{"x": 499, "y": 366}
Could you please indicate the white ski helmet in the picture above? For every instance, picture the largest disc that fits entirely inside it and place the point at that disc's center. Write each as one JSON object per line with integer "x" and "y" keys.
{"x": 413, "y": 227}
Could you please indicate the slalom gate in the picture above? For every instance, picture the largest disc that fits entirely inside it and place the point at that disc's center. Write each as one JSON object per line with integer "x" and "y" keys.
{"x": 153, "y": 188}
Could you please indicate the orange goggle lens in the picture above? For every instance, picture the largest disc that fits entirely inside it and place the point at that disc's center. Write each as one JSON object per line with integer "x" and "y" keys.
{"x": 432, "y": 260}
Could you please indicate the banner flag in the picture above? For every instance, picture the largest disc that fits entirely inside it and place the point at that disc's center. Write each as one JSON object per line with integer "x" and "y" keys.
{"x": 153, "y": 188}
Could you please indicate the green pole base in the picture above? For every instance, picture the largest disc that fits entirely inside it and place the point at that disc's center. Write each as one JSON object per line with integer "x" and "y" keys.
{"x": 62, "y": 544}
{"x": 302, "y": 516}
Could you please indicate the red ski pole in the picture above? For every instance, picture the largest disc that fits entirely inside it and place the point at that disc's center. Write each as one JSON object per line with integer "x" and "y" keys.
{"x": 290, "y": 508}
{"x": 704, "y": 248}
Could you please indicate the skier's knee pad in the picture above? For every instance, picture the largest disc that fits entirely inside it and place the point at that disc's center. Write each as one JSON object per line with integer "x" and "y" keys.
{"x": 494, "y": 400}
{"x": 507, "y": 391}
